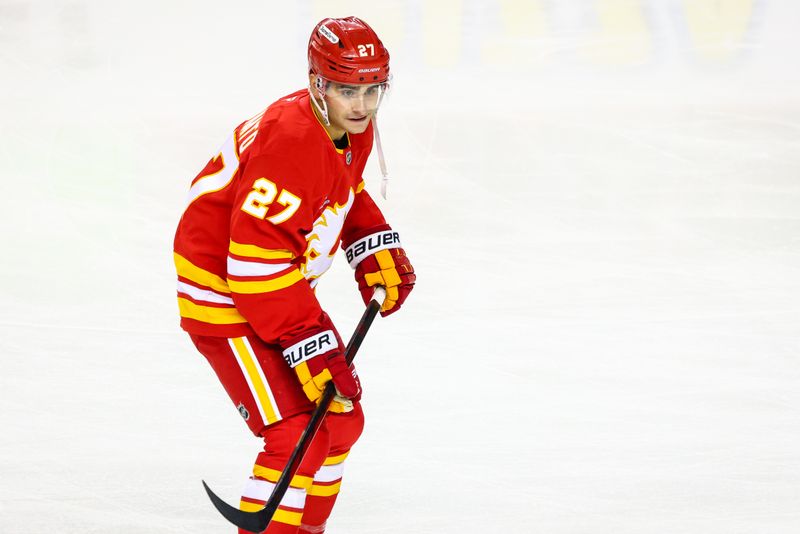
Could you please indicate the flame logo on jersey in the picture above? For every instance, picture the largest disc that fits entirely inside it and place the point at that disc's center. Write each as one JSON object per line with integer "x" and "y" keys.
{"x": 323, "y": 240}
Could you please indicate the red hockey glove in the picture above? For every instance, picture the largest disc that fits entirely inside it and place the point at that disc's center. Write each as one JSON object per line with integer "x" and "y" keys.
{"x": 317, "y": 357}
{"x": 379, "y": 260}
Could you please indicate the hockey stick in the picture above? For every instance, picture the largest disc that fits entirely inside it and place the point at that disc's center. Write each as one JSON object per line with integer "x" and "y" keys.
{"x": 258, "y": 521}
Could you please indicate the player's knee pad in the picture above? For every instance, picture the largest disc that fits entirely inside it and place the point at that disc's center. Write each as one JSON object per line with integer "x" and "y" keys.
{"x": 345, "y": 429}
{"x": 281, "y": 438}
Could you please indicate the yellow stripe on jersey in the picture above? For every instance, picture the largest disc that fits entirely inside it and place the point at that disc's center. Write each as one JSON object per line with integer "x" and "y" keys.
{"x": 200, "y": 276}
{"x": 209, "y": 314}
{"x": 333, "y": 460}
{"x": 272, "y": 475}
{"x": 253, "y": 251}
{"x": 265, "y": 286}
{"x": 259, "y": 386}
{"x": 290, "y": 518}
{"x": 324, "y": 491}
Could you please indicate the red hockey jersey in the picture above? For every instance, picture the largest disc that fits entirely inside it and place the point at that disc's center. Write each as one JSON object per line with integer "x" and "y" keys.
{"x": 263, "y": 221}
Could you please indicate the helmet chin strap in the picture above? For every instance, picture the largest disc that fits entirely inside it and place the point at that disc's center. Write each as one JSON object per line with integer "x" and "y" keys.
{"x": 381, "y": 159}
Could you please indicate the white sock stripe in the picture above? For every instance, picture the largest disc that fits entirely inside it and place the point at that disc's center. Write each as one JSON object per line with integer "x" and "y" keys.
{"x": 329, "y": 473}
{"x": 294, "y": 498}
{"x": 260, "y": 490}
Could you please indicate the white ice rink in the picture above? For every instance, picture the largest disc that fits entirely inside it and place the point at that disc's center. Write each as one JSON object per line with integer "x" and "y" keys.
{"x": 601, "y": 199}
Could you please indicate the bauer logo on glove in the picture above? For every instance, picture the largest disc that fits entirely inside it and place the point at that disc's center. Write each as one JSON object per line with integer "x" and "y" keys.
{"x": 310, "y": 347}
{"x": 379, "y": 260}
{"x": 317, "y": 358}
{"x": 371, "y": 244}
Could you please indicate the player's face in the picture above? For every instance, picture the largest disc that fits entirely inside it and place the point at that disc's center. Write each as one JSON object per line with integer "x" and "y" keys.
{"x": 351, "y": 107}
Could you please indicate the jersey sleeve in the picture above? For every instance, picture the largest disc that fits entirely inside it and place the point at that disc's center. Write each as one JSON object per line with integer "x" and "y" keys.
{"x": 363, "y": 218}
{"x": 270, "y": 216}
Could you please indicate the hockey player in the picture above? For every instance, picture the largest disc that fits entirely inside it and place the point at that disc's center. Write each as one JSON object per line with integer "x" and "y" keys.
{"x": 264, "y": 219}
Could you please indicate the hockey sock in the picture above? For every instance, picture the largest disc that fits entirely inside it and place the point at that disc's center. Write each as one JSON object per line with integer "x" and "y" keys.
{"x": 288, "y": 515}
{"x": 321, "y": 495}
{"x": 344, "y": 430}
{"x": 280, "y": 440}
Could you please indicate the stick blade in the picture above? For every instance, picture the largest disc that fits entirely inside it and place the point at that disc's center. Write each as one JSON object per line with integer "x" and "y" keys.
{"x": 255, "y": 522}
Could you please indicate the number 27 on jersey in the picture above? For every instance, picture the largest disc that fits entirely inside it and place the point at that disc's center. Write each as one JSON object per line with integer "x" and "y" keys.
{"x": 263, "y": 194}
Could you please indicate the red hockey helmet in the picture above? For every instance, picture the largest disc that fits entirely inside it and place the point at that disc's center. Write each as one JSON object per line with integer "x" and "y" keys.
{"x": 347, "y": 51}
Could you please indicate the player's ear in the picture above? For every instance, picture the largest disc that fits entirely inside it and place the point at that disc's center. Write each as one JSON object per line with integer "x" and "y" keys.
{"x": 316, "y": 84}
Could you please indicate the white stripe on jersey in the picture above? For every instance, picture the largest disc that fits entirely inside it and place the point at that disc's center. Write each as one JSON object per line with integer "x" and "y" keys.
{"x": 253, "y": 268}
{"x": 203, "y": 294}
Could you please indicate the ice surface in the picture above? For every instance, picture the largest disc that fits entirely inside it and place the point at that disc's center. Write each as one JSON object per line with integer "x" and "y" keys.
{"x": 601, "y": 199}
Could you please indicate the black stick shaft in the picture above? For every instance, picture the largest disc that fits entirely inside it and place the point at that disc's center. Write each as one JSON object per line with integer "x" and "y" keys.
{"x": 319, "y": 413}
{"x": 258, "y": 521}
